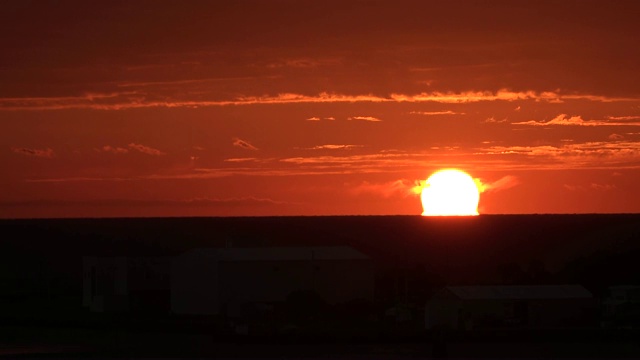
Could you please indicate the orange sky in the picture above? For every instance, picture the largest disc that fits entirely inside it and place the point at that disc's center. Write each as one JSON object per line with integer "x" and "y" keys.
{"x": 234, "y": 108}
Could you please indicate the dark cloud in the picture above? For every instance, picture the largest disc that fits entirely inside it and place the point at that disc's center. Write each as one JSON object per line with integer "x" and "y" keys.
{"x": 243, "y": 144}
{"x": 46, "y": 153}
{"x": 145, "y": 149}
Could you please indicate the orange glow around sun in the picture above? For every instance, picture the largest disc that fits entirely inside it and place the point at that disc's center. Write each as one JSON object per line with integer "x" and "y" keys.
{"x": 450, "y": 192}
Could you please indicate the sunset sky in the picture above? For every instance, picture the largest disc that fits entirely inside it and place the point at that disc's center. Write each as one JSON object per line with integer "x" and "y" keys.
{"x": 252, "y": 108}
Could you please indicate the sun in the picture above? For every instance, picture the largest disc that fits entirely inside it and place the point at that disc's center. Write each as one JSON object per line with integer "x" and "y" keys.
{"x": 450, "y": 192}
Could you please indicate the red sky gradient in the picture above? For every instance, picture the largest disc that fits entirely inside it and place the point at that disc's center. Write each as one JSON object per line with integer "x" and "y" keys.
{"x": 244, "y": 108}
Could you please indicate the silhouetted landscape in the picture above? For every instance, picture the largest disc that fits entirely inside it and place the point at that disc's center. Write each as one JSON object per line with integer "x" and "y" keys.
{"x": 372, "y": 286}
{"x": 214, "y": 179}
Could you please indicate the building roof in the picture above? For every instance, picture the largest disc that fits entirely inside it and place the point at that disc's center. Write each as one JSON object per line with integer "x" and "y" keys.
{"x": 280, "y": 253}
{"x": 520, "y": 292}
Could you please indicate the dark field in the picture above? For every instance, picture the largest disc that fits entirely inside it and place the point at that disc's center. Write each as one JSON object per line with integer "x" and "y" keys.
{"x": 413, "y": 257}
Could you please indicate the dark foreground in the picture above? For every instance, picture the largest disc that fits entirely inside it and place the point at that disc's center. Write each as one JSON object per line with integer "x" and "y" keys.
{"x": 65, "y": 342}
{"x": 41, "y": 286}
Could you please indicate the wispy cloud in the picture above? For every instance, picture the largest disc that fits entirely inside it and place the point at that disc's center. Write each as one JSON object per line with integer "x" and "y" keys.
{"x": 595, "y": 147}
{"x": 131, "y": 147}
{"x": 224, "y": 202}
{"x": 72, "y": 179}
{"x": 235, "y": 201}
{"x": 333, "y": 147}
{"x": 237, "y": 160}
{"x": 300, "y": 166}
{"x": 316, "y": 118}
{"x": 141, "y": 99}
{"x": 329, "y": 159}
{"x": 113, "y": 149}
{"x": 616, "y": 137}
{"x": 43, "y": 153}
{"x": 364, "y": 118}
{"x": 566, "y": 120}
{"x": 243, "y": 144}
{"x": 502, "y": 95}
{"x": 401, "y": 187}
{"x": 436, "y": 97}
{"x": 145, "y": 149}
{"x": 493, "y": 120}
{"x": 503, "y": 183}
{"x": 303, "y": 63}
{"x": 181, "y": 82}
{"x": 293, "y": 98}
{"x": 106, "y": 101}
{"x": 343, "y": 159}
{"x": 434, "y": 113}
{"x": 623, "y": 118}
{"x": 601, "y": 154}
{"x": 592, "y": 186}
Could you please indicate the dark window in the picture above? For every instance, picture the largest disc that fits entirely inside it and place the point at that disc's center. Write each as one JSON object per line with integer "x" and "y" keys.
{"x": 94, "y": 280}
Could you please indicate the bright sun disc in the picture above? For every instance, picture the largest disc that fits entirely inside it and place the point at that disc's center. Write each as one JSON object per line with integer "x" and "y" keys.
{"x": 450, "y": 192}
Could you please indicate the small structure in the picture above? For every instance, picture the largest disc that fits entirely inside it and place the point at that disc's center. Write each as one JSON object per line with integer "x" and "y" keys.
{"x": 621, "y": 308}
{"x": 528, "y": 306}
{"x": 211, "y": 281}
{"x": 118, "y": 284}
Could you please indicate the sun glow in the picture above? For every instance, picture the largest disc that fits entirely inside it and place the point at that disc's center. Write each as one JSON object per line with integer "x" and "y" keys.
{"x": 450, "y": 192}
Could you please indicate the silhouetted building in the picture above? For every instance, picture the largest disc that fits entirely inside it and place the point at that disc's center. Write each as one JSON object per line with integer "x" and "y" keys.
{"x": 115, "y": 284}
{"x": 621, "y": 308}
{"x": 222, "y": 281}
{"x": 530, "y": 306}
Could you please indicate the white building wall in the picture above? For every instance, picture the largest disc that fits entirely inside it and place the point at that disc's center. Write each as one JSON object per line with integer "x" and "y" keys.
{"x": 336, "y": 281}
{"x": 244, "y": 282}
{"x": 210, "y": 281}
{"x": 442, "y": 311}
{"x": 339, "y": 281}
{"x": 194, "y": 285}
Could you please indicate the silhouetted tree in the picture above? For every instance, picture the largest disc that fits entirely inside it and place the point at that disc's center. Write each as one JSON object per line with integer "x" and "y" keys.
{"x": 537, "y": 273}
{"x": 511, "y": 273}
